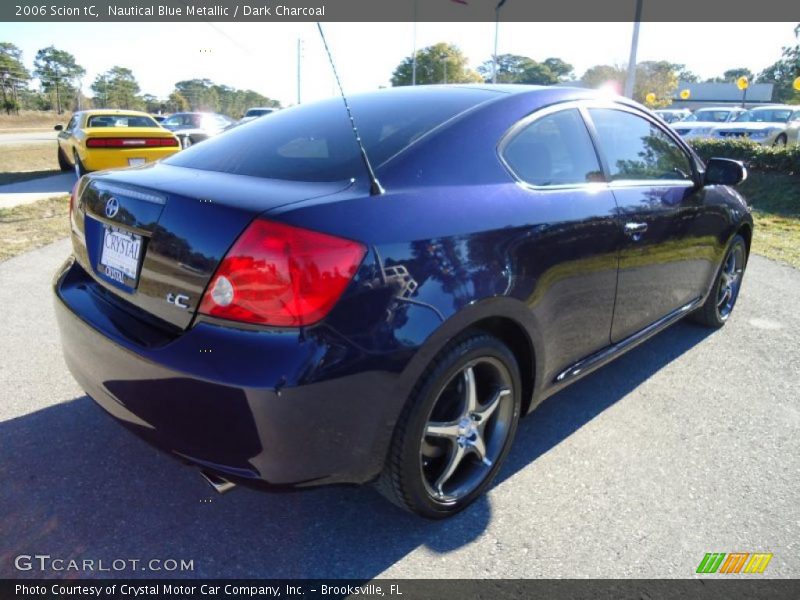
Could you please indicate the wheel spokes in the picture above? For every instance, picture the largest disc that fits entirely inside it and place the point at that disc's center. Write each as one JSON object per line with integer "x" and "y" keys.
{"x": 470, "y": 391}
{"x": 484, "y": 413}
{"x": 456, "y": 456}
{"x": 442, "y": 430}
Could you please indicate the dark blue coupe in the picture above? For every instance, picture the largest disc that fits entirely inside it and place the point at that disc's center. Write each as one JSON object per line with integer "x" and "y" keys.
{"x": 262, "y": 307}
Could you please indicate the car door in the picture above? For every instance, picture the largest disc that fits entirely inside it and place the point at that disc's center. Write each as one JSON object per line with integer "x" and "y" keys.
{"x": 66, "y": 139}
{"x": 568, "y": 253}
{"x": 666, "y": 252}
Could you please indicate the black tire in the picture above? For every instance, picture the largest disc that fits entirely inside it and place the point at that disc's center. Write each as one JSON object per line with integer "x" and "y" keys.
{"x": 80, "y": 170}
{"x": 781, "y": 140}
{"x": 63, "y": 163}
{"x": 725, "y": 291}
{"x": 418, "y": 462}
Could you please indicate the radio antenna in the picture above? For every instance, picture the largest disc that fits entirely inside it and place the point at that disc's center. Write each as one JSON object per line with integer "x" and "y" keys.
{"x": 375, "y": 188}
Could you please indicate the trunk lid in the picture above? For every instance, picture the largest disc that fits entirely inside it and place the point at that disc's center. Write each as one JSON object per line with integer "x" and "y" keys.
{"x": 154, "y": 236}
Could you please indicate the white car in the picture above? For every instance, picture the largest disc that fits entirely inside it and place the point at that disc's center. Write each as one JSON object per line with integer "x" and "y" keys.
{"x": 777, "y": 125}
{"x": 705, "y": 121}
{"x": 672, "y": 115}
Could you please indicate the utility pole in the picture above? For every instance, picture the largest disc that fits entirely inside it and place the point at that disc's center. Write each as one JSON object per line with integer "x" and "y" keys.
{"x": 414, "y": 50}
{"x": 299, "y": 54}
{"x": 496, "y": 35}
{"x": 630, "y": 80}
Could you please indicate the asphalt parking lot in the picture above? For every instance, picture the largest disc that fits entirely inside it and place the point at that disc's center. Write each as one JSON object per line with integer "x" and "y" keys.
{"x": 689, "y": 444}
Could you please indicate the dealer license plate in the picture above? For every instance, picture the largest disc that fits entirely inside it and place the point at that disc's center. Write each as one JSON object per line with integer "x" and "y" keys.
{"x": 119, "y": 259}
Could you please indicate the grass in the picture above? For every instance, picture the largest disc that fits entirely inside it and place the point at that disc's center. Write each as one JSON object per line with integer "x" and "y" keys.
{"x": 20, "y": 162}
{"x": 32, "y": 120}
{"x": 776, "y": 211}
{"x": 30, "y": 226}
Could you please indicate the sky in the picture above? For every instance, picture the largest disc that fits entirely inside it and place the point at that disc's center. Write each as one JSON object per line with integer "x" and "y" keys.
{"x": 263, "y": 56}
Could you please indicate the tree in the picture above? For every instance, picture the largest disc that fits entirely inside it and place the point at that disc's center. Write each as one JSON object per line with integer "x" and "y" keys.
{"x": 13, "y": 76}
{"x": 57, "y": 71}
{"x": 117, "y": 88}
{"x": 203, "y": 94}
{"x": 656, "y": 77}
{"x": 513, "y": 68}
{"x": 605, "y": 75}
{"x": 731, "y": 75}
{"x": 563, "y": 71}
{"x": 510, "y": 68}
{"x": 176, "y": 102}
{"x": 783, "y": 73}
{"x": 440, "y": 63}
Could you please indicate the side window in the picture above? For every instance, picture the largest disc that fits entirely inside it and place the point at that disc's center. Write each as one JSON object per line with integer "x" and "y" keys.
{"x": 554, "y": 150}
{"x": 72, "y": 123}
{"x": 637, "y": 149}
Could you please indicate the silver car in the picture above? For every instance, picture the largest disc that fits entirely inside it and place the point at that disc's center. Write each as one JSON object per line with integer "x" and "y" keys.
{"x": 777, "y": 125}
{"x": 705, "y": 121}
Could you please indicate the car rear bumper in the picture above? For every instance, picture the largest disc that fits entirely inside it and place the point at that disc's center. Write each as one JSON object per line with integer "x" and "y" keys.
{"x": 99, "y": 159}
{"x": 252, "y": 405}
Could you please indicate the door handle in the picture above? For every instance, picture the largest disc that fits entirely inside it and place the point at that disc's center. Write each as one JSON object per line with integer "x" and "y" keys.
{"x": 635, "y": 228}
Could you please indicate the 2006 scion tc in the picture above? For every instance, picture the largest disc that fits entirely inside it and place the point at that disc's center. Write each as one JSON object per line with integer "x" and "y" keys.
{"x": 267, "y": 307}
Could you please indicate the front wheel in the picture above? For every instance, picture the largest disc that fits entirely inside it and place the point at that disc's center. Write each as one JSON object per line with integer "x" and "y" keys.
{"x": 720, "y": 302}
{"x": 780, "y": 141}
{"x": 456, "y": 430}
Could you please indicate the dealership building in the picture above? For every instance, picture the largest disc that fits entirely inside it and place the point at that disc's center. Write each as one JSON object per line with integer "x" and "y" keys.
{"x": 721, "y": 94}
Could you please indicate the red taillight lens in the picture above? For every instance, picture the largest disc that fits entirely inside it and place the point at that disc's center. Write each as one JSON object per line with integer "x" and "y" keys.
{"x": 131, "y": 142}
{"x": 281, "y": 275}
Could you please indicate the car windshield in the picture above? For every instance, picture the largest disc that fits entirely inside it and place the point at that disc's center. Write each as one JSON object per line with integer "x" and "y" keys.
{"x": 765, "y": 115}
{"x": 257, "y": 112}
{"x": 120, "y": 121}
{"x": 315, "y": 142}
{"x": 710, "y": 116}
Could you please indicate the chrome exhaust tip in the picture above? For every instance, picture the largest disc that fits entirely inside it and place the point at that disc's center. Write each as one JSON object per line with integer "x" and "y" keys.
{"x": 220, "y": 484}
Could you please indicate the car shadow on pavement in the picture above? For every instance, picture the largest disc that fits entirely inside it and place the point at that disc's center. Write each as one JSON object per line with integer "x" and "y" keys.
{"x": 79, "y": 486}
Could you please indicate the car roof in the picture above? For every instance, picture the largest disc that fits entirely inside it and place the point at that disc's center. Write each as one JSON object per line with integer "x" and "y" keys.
{"x": 777, "y": 107}
{"x": 113, "y": 111}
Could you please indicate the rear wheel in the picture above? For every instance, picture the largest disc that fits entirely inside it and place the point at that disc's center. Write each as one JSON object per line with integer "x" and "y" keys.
{"x": 720, "y": 302}
{"x": 780, "y": 141}
{"x": 63, "y": 163}
{"x": 80, "y": 170}
{"x": 456, "y": 430}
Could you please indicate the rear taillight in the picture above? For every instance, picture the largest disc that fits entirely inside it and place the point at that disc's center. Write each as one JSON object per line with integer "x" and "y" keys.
{"x": 131, "y": 142}
{"x": 281, "y": 275}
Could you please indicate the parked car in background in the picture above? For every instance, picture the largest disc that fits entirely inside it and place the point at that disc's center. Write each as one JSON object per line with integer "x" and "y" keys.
{"x": 99, "y": 139}
{"x": 194, "y": 127}
{"x": 254, "y": 113}
{"x": 672, "y": 115}
{"x": 265, "y": 307}
{"x": 704, "y": 121}
{"x": 777, "y": 125}
{"x": 159, "y": 118}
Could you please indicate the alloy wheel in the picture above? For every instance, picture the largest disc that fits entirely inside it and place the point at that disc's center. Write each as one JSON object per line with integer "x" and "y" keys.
{"x": 730, "y": 281}
{"x": 467, "y": 430}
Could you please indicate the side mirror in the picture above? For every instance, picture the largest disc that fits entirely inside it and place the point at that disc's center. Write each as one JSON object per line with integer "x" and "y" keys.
{"x": 58, "y": 127}
{"x": 724, "y": 171}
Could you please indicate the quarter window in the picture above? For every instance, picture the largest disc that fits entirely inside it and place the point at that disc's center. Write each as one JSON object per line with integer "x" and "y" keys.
{"x": 637, "y": 149}
{"x": 554, "y": 150}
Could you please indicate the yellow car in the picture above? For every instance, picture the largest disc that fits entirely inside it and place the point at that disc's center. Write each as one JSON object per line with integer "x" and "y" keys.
{"x": 94, "y": 140}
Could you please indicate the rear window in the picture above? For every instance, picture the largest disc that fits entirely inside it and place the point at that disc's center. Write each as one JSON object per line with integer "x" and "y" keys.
{"x": 315, "y": 142}
{"x": 120, "y": 121}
